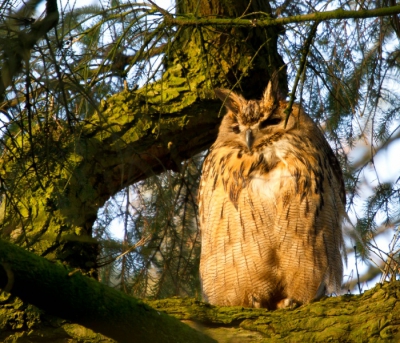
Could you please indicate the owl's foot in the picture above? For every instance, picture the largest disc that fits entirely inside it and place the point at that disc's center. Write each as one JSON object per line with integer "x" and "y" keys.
{"x": 287, "y": 303}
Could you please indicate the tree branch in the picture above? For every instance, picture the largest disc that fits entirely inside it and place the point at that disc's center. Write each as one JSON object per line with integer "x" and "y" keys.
{"x": 373, "y": 316}
{"x": 87, "y": 302}
{"x": 338, "y": 14}
{"x": 50, "y": 286}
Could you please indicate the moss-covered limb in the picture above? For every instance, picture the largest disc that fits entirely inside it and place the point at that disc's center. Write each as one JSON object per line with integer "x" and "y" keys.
{"x": 140, "y": 144}
{"x": 142, "y": 133}
{"x": 22, "y": 322}
{"x": 190, "y": 20}
{"x": 129, "y": 141}
{"x": 371, "y": 317}
{"x": 85, "y": 301}
{"x": 374, "y": 316}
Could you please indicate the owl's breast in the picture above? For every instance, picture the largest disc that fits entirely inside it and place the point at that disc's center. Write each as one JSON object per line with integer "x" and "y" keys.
{"x": 238, "y": 238}
{"x": 269, "y": 186}
{"x": 238, "y": 199}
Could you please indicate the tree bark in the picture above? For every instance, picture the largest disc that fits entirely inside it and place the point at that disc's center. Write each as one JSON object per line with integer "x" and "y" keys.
{"x": 373, "y": 316}
{"x": 72, "y": 296}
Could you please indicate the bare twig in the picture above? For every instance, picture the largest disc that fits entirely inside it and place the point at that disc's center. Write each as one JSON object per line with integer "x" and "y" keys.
{"x": 358, "y": 275}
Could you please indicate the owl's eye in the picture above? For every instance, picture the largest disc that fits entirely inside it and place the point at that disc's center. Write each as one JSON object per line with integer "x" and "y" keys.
{"x": 270, "y": 122}
{"x": 235, "y": 128}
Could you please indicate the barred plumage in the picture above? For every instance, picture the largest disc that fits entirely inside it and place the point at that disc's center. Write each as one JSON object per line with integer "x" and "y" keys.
{"x": 271, "y": 205}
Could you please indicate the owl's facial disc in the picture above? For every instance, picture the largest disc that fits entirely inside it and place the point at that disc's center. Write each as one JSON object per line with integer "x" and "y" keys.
{"x": 261, "y": 129}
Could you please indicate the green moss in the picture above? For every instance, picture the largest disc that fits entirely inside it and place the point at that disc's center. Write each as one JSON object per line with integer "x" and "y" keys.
{"x": 83, "y": 334}
{"x": 372, "y": 317}
{"x": 26, "y": 323}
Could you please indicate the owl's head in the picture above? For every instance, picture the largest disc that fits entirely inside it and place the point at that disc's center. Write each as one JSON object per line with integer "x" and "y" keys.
{"x": 250, "y": 123}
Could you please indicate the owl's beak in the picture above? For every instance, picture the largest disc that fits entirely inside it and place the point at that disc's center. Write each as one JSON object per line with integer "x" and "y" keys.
{"x": 249, "y": 139}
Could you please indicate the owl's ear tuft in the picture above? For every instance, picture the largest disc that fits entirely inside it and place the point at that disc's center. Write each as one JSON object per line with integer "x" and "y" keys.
{"x": 231, "y": 100}
{"x": 272, "y": 95}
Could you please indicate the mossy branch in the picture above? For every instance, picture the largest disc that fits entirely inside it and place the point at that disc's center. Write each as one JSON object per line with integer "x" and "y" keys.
{"x": 371, "y": 317}
{"x": 338, "y": 14}
{"x": 374, "y": 316}
{"x": 87, "y": 302}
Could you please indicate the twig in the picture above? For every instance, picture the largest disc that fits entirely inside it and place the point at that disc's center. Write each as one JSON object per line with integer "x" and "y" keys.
{"x": 162, "y": 11}
{"x": 141, "y": 242}
{"x": 303, "y": 61}
{"x": 358, "y": 275}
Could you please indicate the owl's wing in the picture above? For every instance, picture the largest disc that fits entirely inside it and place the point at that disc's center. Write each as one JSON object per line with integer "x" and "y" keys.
{"x": 308, "y": 229}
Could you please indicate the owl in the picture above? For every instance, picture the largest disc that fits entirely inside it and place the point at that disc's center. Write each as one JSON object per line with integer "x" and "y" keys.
{"x": 271, "y": 206}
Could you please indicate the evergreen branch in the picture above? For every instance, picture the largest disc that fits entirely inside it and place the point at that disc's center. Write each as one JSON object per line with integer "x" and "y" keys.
{"x": 338, "y": 14}
{"x": 164, "y": 12}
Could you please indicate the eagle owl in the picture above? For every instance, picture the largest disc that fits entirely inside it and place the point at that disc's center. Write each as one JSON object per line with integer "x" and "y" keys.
{"x": 271, "y": 205}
